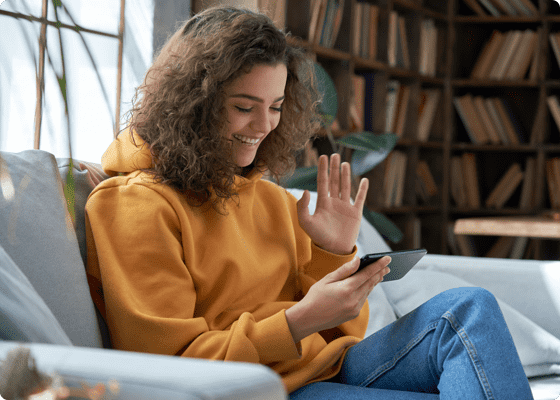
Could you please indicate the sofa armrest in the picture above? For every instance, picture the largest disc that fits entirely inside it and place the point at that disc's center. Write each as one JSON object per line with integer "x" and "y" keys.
{"x": 148, "y": 376}
{"x": 529, "y": 286}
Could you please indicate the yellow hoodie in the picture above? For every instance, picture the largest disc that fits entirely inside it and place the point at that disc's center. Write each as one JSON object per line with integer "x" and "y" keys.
{"x": 170, "y": 278}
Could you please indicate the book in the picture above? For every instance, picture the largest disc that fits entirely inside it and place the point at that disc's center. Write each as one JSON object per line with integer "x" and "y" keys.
{"x": 501, "y": 248}
{"x": 457, "y": 183}
{"x": 393, "y": 88}
{"x": 552, "y": 185}
{"x": 470, "y": 119}
{"x": 522, "y": 61}
{"x": 392, "y": 39}
{"x": 505, "y": 187}
{"x": 535, "y": 63}
{"x": 475, "y": 7}
{"x": 372, "y": 32}
{"x": 358, "y": 102}
{"x": 553, "y": 38}
{"x": 526, "y": 200}
{"x": 471, "y": 180}
{"x": 356, "y": 28}
{"x": 518, "y": 247}
{"x": 486, "y": 120}
{"x": 402, "y": 110}
{"x": 400, "y": 180}
{"x": 554, "y": 107}
{"x": 497, "y": 122}
{"x": 506, "y": 121}
{"x": 403, "y": 43}
{"x": 487, "y": 56}
{"x": 513, "y": 38}
{"x": 490, "y": 7}
{"x": 427, "y": 111}
{"x": 426, "y": 180}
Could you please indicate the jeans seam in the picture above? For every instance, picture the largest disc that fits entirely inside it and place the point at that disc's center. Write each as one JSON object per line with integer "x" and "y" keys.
{"x": 471, "y": 350}
{"x": 400, "y": 354}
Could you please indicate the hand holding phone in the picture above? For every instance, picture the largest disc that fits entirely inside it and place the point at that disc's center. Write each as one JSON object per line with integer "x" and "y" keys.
{"x": 401, "y": 262}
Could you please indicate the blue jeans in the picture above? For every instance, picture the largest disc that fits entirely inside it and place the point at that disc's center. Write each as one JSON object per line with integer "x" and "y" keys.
{"x": 454, "y": 346}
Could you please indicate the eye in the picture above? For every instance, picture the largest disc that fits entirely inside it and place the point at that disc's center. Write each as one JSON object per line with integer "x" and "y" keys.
{"x": 276, "y": 109}
{"x": 243, "y": 110}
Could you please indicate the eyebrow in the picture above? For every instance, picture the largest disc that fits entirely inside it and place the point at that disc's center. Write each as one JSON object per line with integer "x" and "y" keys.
{"x": 257, "y": 99}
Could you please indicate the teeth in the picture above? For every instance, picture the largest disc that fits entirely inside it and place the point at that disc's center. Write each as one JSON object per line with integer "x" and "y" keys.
{"x": 246, "y": 140}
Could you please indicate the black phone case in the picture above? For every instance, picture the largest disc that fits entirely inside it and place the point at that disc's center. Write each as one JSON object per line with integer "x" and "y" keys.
{"x": 401, "y": 262}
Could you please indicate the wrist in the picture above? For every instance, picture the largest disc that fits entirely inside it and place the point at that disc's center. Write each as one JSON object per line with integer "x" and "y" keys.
{"x": 338, "y": 250}
{"x": 297, "y": 323}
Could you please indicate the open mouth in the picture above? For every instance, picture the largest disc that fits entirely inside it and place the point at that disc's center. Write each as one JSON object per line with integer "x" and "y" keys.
{"x": 246, "y": 140}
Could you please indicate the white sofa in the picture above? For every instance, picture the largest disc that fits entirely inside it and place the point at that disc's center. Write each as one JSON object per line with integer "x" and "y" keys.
{"x": 45, "y": 303}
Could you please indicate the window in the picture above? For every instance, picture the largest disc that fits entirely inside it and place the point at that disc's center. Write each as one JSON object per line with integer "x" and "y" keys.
{"x": 106, "y": 46}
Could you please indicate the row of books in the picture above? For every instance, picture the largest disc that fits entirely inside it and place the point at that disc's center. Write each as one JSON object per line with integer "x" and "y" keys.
{"x": 326, "y": 18}
{"x": 489, "y": 120}
{"x": 364, "y": 27}
{"x": 465, "y": 187}
{"x": 508, "y": 55}
{"x": 394, "y": 178}
{"x": 498, "y": 8}
{"x": 515, "y": 247}
{"x": 397, "y": 42}
{"x": 397, "y": 102}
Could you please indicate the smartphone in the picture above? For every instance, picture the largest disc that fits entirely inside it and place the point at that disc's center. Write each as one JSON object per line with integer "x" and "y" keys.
{"x": 401, "y": 262}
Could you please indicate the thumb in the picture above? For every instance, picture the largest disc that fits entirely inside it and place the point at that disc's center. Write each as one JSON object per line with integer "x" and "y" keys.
{"x": 345, "y": 270}
{"x": 302, "y": 206}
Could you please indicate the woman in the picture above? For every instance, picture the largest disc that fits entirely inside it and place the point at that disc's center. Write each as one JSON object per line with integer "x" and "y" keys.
{"x": 190, "y": 253}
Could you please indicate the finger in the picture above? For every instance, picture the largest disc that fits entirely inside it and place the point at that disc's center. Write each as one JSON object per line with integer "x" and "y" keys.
{"x": 303, "y": 207}
{"x": 322, "y": 178}
{"x": 346, "y": 182}
{"x": 344, "y": 271}
{"x": 335, "y": 176}
{"x": 374, "y": 272}
{"x": 362, "y": 193}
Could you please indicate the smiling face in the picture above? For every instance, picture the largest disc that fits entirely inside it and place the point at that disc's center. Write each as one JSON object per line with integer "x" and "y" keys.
{"x": 254, "y": 105}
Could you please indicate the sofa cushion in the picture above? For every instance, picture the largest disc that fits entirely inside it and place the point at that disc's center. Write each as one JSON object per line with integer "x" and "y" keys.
{"x": 25, "y": 316}
{"x": 38, "y": 235}
{"x": 538, "y": 349}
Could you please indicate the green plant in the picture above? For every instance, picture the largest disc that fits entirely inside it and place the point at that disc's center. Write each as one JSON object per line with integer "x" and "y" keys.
{"x": 367, "y": 151}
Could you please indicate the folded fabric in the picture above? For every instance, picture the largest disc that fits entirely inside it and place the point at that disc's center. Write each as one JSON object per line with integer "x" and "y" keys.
{"x": 25, "y": 316}
{"x": 538, "y": 349}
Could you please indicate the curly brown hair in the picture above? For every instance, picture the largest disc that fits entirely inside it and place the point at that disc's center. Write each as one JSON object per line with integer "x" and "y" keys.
{"x": 179, "y": 108}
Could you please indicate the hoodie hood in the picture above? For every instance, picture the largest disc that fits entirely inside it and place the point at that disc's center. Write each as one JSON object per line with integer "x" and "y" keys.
{"x": 126, "y": 154}
{"x": 129, "y": 153}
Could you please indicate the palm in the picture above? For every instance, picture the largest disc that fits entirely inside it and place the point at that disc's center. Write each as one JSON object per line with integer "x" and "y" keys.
{"x": 336, "y": 222}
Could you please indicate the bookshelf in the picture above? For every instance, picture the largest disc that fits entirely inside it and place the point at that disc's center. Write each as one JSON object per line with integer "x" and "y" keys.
{"x": 415, "y": 59}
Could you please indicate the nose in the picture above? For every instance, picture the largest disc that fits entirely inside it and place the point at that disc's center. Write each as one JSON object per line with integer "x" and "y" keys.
{"x": 262, "y": 122}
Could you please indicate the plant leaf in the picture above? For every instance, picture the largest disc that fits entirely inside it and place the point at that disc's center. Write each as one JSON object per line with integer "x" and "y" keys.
{"x": 364, "y": 161}
{"x": 302, "y": 178}
{"x": 367, "y": 141}
{"x": 329, "y": 100}
{"x": 384, "y": 226}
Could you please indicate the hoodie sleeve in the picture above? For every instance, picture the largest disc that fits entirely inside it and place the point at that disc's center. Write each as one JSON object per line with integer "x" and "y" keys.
{"x": 139, "y": 281}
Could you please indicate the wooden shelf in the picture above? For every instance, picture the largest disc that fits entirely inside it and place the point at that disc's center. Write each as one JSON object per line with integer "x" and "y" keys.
{"x": 464, "y": 38}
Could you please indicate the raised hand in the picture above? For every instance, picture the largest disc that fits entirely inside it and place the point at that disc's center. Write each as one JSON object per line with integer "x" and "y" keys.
{"x": 336, "y": 222}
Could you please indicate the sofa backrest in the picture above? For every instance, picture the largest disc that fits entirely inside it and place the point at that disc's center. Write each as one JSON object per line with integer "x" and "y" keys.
{"x": 37, "y": 233}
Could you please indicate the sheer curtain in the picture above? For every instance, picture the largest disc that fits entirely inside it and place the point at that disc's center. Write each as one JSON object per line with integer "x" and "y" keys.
{"x": 91, "y": 92}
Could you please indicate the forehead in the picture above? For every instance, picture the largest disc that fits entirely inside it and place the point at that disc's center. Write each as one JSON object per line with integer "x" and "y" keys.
{"x": 261, "y": 81}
